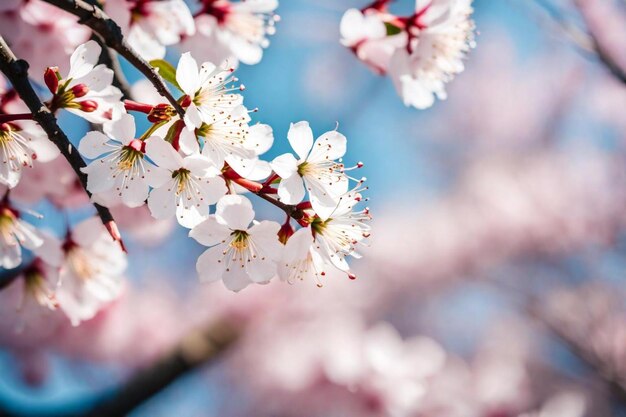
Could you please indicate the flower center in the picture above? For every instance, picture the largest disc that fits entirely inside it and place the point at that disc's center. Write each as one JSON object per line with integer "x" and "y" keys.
{"x": 182, "y": 176}
{"x": 129, "y": 156}
{"x": 240, "y": 240}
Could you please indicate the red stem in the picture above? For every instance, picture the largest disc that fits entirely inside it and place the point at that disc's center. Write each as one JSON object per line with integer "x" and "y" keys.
{"x": 6, "y": 118}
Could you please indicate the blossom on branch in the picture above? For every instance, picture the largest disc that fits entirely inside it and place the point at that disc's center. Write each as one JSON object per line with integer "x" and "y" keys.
{"x": 233, "y": 30}
{"x": 87, "y": 91}
{"x": 91, "y": 271}
{"x": 238, "y": 254}
{"x": 421, "y": 52}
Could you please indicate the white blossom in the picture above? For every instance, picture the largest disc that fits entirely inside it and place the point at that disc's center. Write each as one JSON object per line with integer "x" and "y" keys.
{"x": 439, "y": 39}
{"x": 87, "y": 91}
{"x": 236, "y": 30}
{"x": 119, "y": 167}
{"x": 316, "y": 169}
{"x": 184, "y": 187}
{"x": 15, "y": 233}
{"x": 21, "y": 143}
{"x": 208, "y": 90}
{"x": 91, "y": 272}
{"x": 238, "y": 254}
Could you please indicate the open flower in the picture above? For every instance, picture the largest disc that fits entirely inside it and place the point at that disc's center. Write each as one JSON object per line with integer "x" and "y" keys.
{"x": 185, "y": 187}
{"x": 301, "y": 259}
{"x": 120, "y": 168}
{"x": 316, "y": 169}
{"x": 440, "y": 35}
{"x": 366, "y": 34}
{"x": 208, "y": 91}
{"x": 21, "y": 143}
{"x": 338, "y": 235}
{"x": 90, "y": 274}
{"x": 152, "y": 25}
{"x": 87, "y": 91}
{"x": 236, "y": 29}
{"x": 239, "y": 254}
{"x": 15, "y": 233}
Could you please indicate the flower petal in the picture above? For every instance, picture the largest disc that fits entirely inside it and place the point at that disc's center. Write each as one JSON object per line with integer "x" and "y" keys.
{"x": 235, "y": 211}
{"x": 210, "y": 232}
{"x": 300, "y": 138}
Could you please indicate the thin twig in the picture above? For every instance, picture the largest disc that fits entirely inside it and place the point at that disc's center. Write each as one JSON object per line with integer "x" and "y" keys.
{"x": 585, "y": 42}
{"x": 112, "y": 36}
{"x": 16, "y": 70}
{"x": 109, "y": 58}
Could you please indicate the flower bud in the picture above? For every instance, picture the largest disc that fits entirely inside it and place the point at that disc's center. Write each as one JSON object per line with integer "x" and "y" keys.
{"x": 80, "y": 90}
{"x": 186, "y": 101}
{"x": 285, "y": 232}
{"x": 161, "y": 113}
{"x": 88, "y": 106}
{"x": 51, "y": 77}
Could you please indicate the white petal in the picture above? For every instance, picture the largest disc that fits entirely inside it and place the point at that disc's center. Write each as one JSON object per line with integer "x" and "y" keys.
{"x": 99, "y": 177}
{"x": 300, "y": 138}
{"x": 285, "y": 165}
{"x": 330, "y": 146}
{"x": 210, "y": 264}
{"x": 84, "y": 58}
{"x": 212, "y": 189}
{"x": 162, "y": 202}
{"x": 88, "y": 231}
{"x": 94, "y": 144}
{"x": 122, "y": 129}
{"x": 189, "y": 215}
{"x": 135, "y": 192}
{"x": 187, "y": 74}
{"x": 235, "y": 211}
{"x": 265, "y": 236}
{"x": 193, "y": 119}
{"x": 210, "y": 232}
{"x": 163, "y": 154}
{"x": 236, "y": 278}
{"x": 189, "y": 142}
{"x": 261, "y": 270}
{"x": 260, "y": 138}
{"x": 291, "y": 190}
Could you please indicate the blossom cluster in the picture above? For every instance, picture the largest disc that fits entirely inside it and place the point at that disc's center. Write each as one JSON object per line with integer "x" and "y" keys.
{"x": 216, "y": 30}
{"x": 178, "y": 168}
{"x": 421, "y": 52}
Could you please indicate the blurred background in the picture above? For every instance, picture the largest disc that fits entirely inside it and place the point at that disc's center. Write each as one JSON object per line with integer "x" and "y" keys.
{"x": 493, "y": 284}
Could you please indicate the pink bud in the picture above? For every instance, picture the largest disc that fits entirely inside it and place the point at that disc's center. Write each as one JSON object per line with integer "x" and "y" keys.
{"x": 51, "y": 78}
{"x": 88, "y": 106}
{"x": 80, "y": 90}
{"x": 285, "y": 232}
{"x": 138, "y": 145}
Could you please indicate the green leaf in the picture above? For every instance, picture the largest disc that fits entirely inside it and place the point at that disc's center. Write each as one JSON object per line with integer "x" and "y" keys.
{"x": 167, "y": 71}
{"x": 391, "y": 29}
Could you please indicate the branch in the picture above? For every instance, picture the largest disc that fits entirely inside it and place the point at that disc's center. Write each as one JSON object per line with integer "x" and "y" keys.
{"x": 16, "y": 70}
{"x": 111, "y": 34}
{"x": 197, "y": 349}
{"x": 109, "y": 58}
{"x": 584, "y": 41}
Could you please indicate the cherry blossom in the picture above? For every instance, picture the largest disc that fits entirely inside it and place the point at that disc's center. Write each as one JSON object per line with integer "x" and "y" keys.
{"x": 183, "y": 186}
{"x": 440, "y": 35}
{"x": 316, "y": 170}
{"x": 237, "y": 29}
{"x": 238, "y": 254}
{"x": 22, "y": 143}
{"x": 90, "y": 274}
{"x": 87, "y": 91}
{"x": 208, "y": 90}
{"x": 15, "y": 233}
{"x": 151, "y": 25}
{"x": 119, "y": 170}
{"x": 366, "y": 34}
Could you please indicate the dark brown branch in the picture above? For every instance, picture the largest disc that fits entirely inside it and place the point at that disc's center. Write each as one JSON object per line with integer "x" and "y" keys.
{"x": 16, "y": 70}
{"x": 109, "y": 58}
{"x": 197, "y": 349}
{"x": 111, "y": 34}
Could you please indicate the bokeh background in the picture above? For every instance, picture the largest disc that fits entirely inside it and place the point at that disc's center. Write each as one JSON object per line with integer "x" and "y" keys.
{"x": 497, "y": 242}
